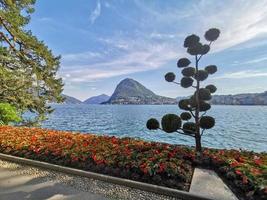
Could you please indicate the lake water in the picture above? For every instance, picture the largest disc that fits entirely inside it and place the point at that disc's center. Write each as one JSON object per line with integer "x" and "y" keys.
{"x": 236, "y": 126}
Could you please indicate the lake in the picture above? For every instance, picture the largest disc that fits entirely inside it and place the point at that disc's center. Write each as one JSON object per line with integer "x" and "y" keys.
{"x": 236, "y": 126}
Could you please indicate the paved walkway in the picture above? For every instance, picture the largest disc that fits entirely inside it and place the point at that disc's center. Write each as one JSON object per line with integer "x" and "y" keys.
{"x": 14, "y": 187}
{"x": 209, "y": 184}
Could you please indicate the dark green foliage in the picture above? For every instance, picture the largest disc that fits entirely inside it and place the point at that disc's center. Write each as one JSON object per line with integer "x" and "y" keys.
{"x": 198, "y": 49}
{"x": 170, "y": 77}
{"x": 195, "y": 50}
{"x": 193, "y": 102}
{"x": 171, "y": 123}
{"x": 184, "y": 104}
{"x": 212, "y": 34}
{"x": 186, "y": 82}
{"x": 211, "y": 88}
{"x": 204, "y": 106}
{"x": 191, "y": 40}
{"x": 28, "y": 69}
{"x": 207, "y": 122}
{"x": 185, "y": 116}
{"x": 211, "y": 69}
{"x": 204, "y": 94}
{"x": 183, "y": 62}
{"x": 189, "y": 127}
{"x": 189, "y": 71}
{"x": 201, "y": 75}
{"x": 152, "y": 124}
{"x": 197, "y": 103}
{"x": 204, "y": 49}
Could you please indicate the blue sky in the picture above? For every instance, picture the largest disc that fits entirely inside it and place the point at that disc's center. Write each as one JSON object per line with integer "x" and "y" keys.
{"x": 104, "y": 41}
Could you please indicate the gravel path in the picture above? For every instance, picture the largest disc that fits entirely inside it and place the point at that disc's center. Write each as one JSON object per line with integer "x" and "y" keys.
{"x": 109, "y": 190}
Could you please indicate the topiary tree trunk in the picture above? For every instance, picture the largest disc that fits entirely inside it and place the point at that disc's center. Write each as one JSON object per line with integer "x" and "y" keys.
{"x": 197, "y": 105}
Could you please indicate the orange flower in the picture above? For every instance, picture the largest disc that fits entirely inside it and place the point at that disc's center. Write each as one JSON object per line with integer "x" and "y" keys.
{"x": 255, "y": 171}
{"x": 245, "y": 180}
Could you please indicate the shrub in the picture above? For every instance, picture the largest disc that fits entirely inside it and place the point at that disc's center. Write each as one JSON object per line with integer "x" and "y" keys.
{"x": 8, "y": 114}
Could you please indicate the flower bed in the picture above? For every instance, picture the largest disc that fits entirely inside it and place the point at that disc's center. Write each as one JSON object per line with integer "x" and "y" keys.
{"x": 244, "y": 172}
{"x": 151, "y": 162}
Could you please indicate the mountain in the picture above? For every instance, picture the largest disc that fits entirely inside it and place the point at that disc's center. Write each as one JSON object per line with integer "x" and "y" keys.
{"x": 97, "y": 99}
{"x": 241, "y": 99}
{"x": 129, "y": 91}
{"x": 71, "y": 100}
{"x": 238, "y": 99}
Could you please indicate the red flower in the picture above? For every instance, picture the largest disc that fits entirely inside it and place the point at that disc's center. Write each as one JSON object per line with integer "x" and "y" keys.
{"x": 128, "y": 151}
{"x": 145, "y": 170}
{"x": 94, "y": 157}
{"x": 240, "y": 159}
{"x": 238, "y": 172}
{"x": 85, "y": 144}
{"x": 162, "y": 167}
{"x": 234, "y": 164}
{"x": 37, "y": 151}
{"x": 74, "y": 158}
{"x": 258, "y": 161}
{"x": 151, "y": 159}
{"x": 33, "y": 138}
{"x": 171, "y": 154}
{"x": 114, "y": 140}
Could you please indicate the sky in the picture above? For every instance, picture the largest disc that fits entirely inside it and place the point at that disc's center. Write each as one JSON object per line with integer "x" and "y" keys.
{"x": 104, "y": 41}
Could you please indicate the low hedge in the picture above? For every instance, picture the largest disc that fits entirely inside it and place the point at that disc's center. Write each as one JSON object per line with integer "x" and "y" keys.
{"x": 157, "y": 163}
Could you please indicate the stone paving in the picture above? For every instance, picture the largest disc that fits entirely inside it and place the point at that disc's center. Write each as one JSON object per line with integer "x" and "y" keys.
{"x": 207, "y": 183}
{"x": 19, "y": 182}
{"x": 14, "y": 187}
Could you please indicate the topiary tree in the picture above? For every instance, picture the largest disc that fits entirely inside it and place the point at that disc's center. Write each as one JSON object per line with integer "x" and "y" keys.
{"x": 197, "y": 105}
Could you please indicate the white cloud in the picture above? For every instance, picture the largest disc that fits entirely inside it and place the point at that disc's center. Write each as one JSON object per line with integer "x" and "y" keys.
{"x": 239, "y": 21}
{"x": 253, "y": 43}
{"x": 95, "y": 13}
{"x": 242, "y": 74}
{"x": 252, "y": 61}
{"x": 165, "y": 36}
{"x": 140, "y": 57}
{"x": 76, "y": 57}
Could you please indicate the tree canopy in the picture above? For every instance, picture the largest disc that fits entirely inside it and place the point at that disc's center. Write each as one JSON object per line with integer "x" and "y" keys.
{"x": 28, "y": 67}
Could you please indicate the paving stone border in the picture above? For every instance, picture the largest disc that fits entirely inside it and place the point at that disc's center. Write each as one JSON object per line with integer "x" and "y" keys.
{"x": 120, "y": 181}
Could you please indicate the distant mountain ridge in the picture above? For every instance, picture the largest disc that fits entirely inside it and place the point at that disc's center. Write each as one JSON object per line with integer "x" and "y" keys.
{"x": 97, "y": 99}
{"x": 71, "y": 100}
{"x": 238, "y": 99}
{"x": 241, "y": 99}
{"x": 129, "y": 91}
